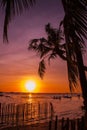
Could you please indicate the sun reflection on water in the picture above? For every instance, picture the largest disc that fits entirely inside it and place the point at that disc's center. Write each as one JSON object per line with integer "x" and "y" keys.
{"x": 30, "y": 98}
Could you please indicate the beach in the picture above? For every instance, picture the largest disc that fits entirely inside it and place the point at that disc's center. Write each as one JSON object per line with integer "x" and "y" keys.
{"x": 40, "y": 112}
{"x": 41, "y": 126}
{"x": 63, "y": 107}
{"x": 63, "y": 124}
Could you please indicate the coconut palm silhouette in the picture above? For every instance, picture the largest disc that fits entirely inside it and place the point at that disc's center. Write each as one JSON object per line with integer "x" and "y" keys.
{"x": 74, "y": 26}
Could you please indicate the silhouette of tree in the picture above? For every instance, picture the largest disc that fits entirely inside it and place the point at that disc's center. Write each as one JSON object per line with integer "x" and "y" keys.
{"x": 75, "y": 30}
{"x": 48, "y": 48}
{"x": 52, "y": 47}
{"x": 12, "y": 8}
{"x": 74, "y": 26}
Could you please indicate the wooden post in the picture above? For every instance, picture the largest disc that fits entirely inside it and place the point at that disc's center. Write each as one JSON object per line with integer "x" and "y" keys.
{"x": 29, "y": 105}
{"x": 0, "y": 109}
{"x": 31, "y": 111}
{"x": 82, "y": 123}
{"x": 13, "y": 113}
{"x": 17, "y": 115}
{"x": 56, "y": 123}
{"x": 2, "y": 119}
{"x": 46, "y": 110}
{"x": 67, "y": 124}
{"x": 8, "y": 113}
{"x": 73, "y": 125}
{"x": 5, "y": 113}
{"x": 52, "y": 110}
{"x": 7, "y": 121}
{"x": 78, "y": 124}
{"x": 39, "y": 110}
{"x": 27, "y": 111}
{"x": 23, "y": 113}
{"x": 62, "y": 124}
{"x": 50, "y": 125}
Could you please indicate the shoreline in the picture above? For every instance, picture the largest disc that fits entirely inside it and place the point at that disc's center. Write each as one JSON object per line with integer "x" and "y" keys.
{"x": 37, "y": 126}
{"x": 50, "y": 125}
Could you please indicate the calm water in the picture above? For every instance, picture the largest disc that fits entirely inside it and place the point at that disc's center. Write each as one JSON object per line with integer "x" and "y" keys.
{"x": 64, "y": 106}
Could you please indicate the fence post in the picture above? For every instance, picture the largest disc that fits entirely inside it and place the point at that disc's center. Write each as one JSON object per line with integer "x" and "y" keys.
{"x": 56, "y": 122}
{"x": 50, "y": 125}
{"x": 73, "y": 125}
{"x": 2, "y": 119}
{"x": 62, "y": 124}
{"x": 46, "y": 110}
{"x": 51, "y": 110}
{"x": 23, "y": 113}
{"x": 67, "y": 123}
{"x": 82, "y": 123}
{"x": 39, "y": 111}
{"x": 78, "y": 124}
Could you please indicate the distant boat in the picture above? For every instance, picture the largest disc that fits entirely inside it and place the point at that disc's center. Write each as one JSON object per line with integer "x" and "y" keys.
{"x": 67, "y": 96}
{"x": 78, "y": 95}
{"x": 56, "y": 97}
{"x": 1, "y": 93}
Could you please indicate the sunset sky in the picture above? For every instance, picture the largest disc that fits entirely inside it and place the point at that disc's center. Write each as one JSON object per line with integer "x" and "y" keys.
{"x": 17, "y": 64}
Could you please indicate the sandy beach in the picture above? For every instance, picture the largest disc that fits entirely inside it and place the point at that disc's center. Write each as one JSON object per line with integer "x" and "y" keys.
{"x": 38, "y": 126}
{"x": 68, "y": 124}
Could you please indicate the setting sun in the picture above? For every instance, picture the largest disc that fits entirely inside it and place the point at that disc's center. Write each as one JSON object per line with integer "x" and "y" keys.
{"x": 30, "y": 86}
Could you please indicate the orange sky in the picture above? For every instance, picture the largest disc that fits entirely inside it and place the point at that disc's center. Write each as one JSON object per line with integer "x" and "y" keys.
{"x": 17, "y": 64}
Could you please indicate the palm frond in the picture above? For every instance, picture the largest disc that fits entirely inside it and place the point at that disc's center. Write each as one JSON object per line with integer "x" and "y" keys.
{"x": 48, "y": 48}
{"x": 45, "y": 51}
{"x": 72, "y": 75}
{"x": 60, "y": 53}
{"x": 52, "y": 56}
{"x": 33, "y": 44}
{"x": 54, "y": 35}
{"x": 41, "y": 69}
{"x": 40, "y": 46}
{"x": 76, "y": 10}
{"x": 12, "y": 8}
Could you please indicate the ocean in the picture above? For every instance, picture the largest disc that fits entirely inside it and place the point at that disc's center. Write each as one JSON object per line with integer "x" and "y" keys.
{"x": 64, "y": 105}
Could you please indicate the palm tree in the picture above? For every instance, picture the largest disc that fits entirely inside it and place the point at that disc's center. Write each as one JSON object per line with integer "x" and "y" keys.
{"x": 75, "y": 30}
{"x": 52, "y": 47}
{"x": 12, "y": 8}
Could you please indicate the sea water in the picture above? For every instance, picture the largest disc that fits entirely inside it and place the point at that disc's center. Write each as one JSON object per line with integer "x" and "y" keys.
{"x": 64, "y": 105}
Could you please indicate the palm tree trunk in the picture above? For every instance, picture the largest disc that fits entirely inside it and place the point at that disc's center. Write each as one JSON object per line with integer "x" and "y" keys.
{"x": 81, "y": 70}
{"x": 79, "y": 57}
{"x": 82, "y": 74}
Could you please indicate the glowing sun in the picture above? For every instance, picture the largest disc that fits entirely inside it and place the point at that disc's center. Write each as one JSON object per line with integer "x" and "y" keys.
{"x": 30, "y": 86}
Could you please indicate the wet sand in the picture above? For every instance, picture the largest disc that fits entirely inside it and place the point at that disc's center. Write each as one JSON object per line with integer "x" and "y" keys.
{"x": 38, "y": 126}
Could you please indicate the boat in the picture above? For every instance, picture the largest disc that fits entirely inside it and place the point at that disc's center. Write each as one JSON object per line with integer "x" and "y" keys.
{"x": 56, "y": 97}
{"x": 67, "y": 96}
{"x": 1, "y": 93}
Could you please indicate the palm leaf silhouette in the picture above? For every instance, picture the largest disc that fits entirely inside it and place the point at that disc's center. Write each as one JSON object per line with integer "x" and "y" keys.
{"x": 42, "y": 68}
{"x": 74, "y": 26}
{"x": 75, "y": 30}
{"x": 49, "y": 48}
{"x": 12, "y": 8}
